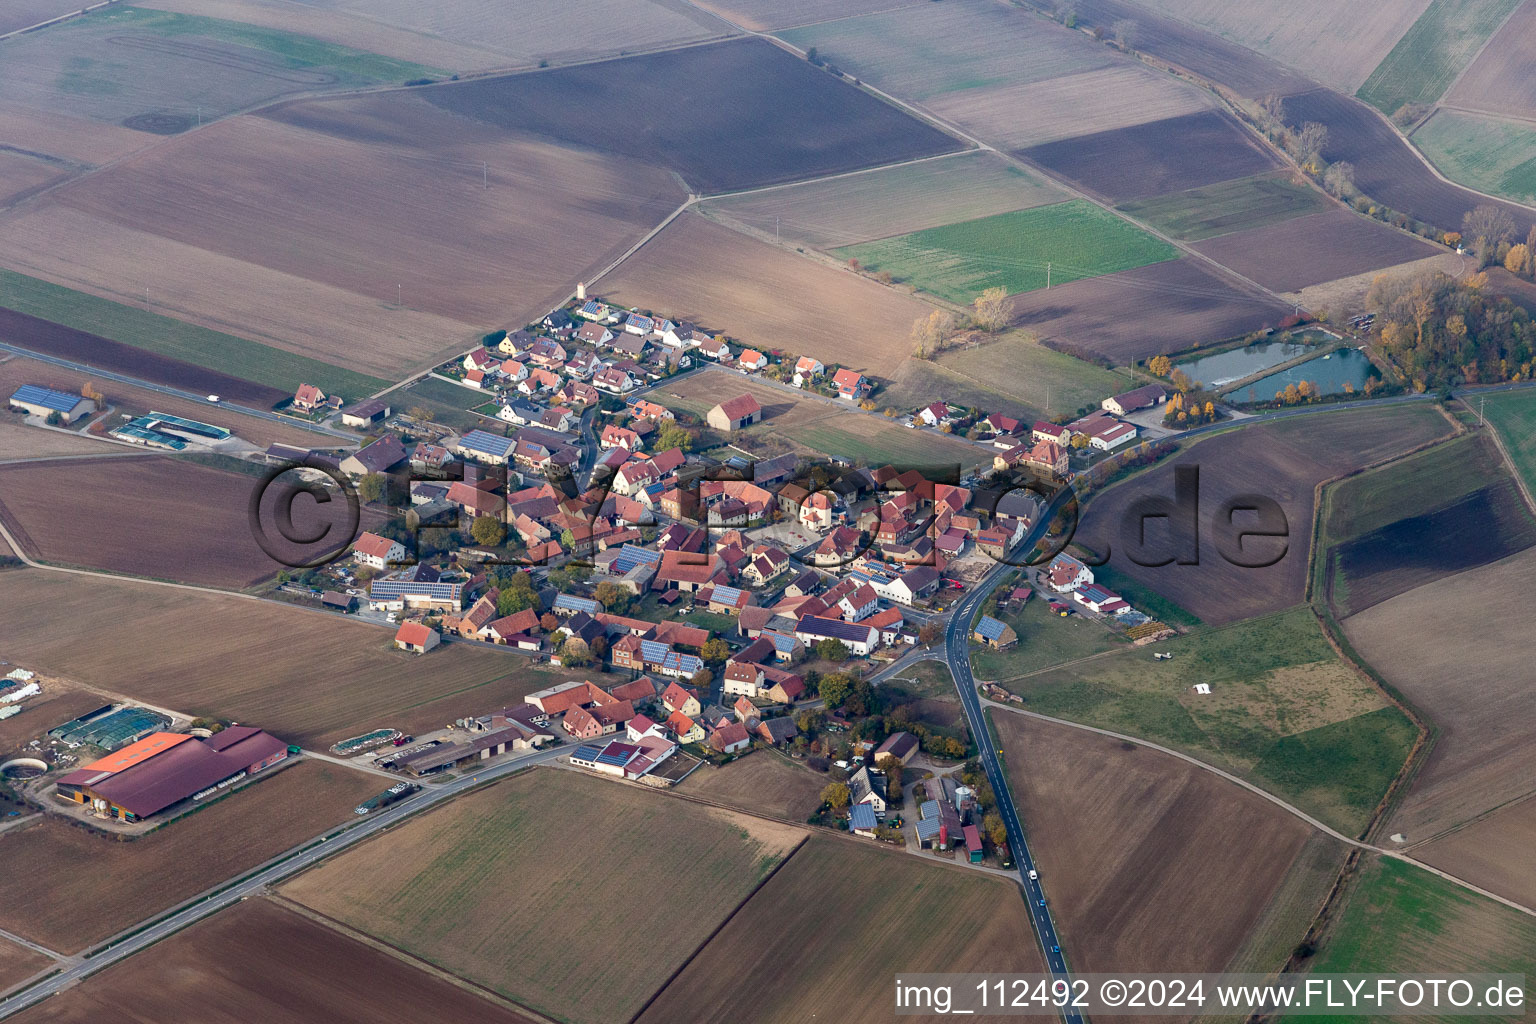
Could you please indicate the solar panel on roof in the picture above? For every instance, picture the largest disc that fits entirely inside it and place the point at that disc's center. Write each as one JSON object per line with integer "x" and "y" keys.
{"x": 133, "y": 431}
{"x": 400, "y": 588}
{"x": 990, "y": 628}
{"x": 727, "y": 595}
{"x": 481, "y": 441}
{"x": 59, "y": 401}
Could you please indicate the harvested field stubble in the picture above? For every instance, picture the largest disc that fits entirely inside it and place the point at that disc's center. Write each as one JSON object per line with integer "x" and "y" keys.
{"x": 761, "y": 295}
{"x": 1433, "y": 53}
{"x": 767, "y": 117}
{"x": 1282, "y": 460}
{"x": 421, "y": 887}
{"x": 1499, "y": 80}
{"x": 1219, "y": 209}
{"x": 1119, "y": 833}
{"x": 1420, "y": 643}
{"x": 261, "y": 961}
{"x": 225, "y": 662}
{"x": 117, "y": 884}
{"x": 827, "y": 920}
{"x": 762, "y": 784}
{"x": 1493, "y": 852}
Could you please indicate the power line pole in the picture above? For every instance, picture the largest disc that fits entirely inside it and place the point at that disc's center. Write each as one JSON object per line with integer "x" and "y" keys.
{"x": 485, "y": 174}
{"x": 400, "y": 295}
{"x": 1047, "y": 275}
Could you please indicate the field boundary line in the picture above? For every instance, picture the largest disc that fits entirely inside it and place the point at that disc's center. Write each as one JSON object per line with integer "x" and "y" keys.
{"x": 1509, "y": 462}
{"x": 1461, "y": 826}
{"x": 1355, "y": 844}
{"x": 691, "y": 957}
{"x": 403, "y": 955}
{"x": 1467, "y": 67}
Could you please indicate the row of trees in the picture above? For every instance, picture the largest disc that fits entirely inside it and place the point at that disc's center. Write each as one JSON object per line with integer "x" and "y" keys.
{"x": 932, "y": 334}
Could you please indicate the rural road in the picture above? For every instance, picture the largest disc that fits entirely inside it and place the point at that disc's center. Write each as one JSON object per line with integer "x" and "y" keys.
{"x": 164, "y": 389}
{"x": 957, "y": 641}
{"x": 373, "y": 824}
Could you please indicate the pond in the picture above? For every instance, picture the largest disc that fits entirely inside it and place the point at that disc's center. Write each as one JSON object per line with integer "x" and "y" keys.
{"x": 1327, "y": 373}
{"x": 1225, "y": 367}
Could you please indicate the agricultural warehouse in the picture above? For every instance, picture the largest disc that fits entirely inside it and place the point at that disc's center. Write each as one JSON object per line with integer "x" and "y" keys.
{"x": 45, "y": 402}
{"x": 109, "y": 728}
{"x": 165, "y": 768}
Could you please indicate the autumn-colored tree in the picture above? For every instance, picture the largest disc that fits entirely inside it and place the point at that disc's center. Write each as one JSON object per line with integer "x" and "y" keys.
{"x": 1451, "y": 238}
{"x": 992, "y": 310}
{"x": 1180, "y": 380}
{"x": 89, "y": 390}
{"x": 420, "y": 413}
{"x": 1080, "y": 441}
{"x": 930, "y": 332}
{"x": 487, "y": 531}
{"x": 1160, "y": 365}
{"x": 835, "y": 795}
{"x": 715, "y": 649}
{"x": 1518, "y": 260}
{"x": 1487, "y": 226}
{"x": 671, "y": 434}
{"x": 992, "y": 825}
{"x": 549, "y": 622}
{"x": 371, "y": 487}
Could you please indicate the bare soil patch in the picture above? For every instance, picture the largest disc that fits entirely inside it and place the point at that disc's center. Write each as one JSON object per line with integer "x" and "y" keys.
{"x": 1135, "y": 314}
{"x": 329, "y": 677}
{"x": 21, "y": 14}
{"x": 840, "y": 920}
{"x": 21, "y": 175}
{"x": 423, "y": 887}
{"x": 768, "y": 117}
{"x": 20, "y": 441}
{"x": 159, "y": 517}
{"x": 764, "y": 783}
{"x": 115, "y": 884}
{"x": 1152, "y": 864}
{"x": 763, "y": 296}
{"x": 1309, "y": 250}
{"x": 771, "y": 15}
{"x": 1494, "y": 853}
{"x": 1283, "y": 460}
{"x": 1460, "y": 650}
{"x": 1139, "y": 161}
{"x": 18, "y": 963}
{"x": 261, "y": 961}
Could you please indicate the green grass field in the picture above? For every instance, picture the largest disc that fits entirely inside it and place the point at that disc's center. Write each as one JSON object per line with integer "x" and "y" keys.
{"x": 1422, "y": 482}
{"x": 1513, "y": 415}
{"x": 1226, "y": 206}
{"x": 1047, "y": 640}
{"x": 444, "y": 393}
{"x": 1400, "y": 919}
{"x": 1011, "y": 250}
{"x": 1487, "y": 153}
{"x": 1284, "y": 711}
{"x": 878, "y": 443}
{"x": 349, "y": 66}
{"x": 240, "y": 357}
{"x": 1441, "y": 43}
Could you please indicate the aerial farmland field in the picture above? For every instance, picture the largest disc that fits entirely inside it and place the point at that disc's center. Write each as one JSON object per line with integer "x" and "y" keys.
{"x": 154, "y": 516}
{"x": 22, "y": 174}
{"x": 1285, "y": 713}
{"x": 305, "y": 263}
{"x": 26, "y": 13}
{"x": 1492, "y": 852}
{"x": 1129, "y": 316}
{"x": 257, "y": 961}
{"x": 771, "y": 15}
{"x": 1119, "y": 833}
{"x": 1420, "y": 643}
{"x": 1435, "y": 513}
{"x": 1137, "y": 163}
{"x": 1283, "y": 460}
{"x": 1429, "y": 56}
{"x": 226, "y": 663}
{"x": 826, "y": 930}
{"x": 1336, "y": 45}
{"x": 1386, "y": 167}
{"x": 887, "y": 201}
{"x": 20, "y": 441}
{"x": 1336, "y": 243}
{"x": 765, "y": 783}
{"x": 1033, "y": 83}
{"x": 761, "y": 295}
{"x": 160, "y": 72}
{"x": 804, "y": 124}
{"x": 17, "y": 963}
{"x": 1513, "y": 415}
{"x": 1012, "y": 251}
{"x": 571, "y": 951}
{"x": 1498, "y": 82}
{"x": 1488, "y": 153}
{"x": 117, "y": 884}
{"x": 1400, "y": 919}
{"x": 1242, "y": 203}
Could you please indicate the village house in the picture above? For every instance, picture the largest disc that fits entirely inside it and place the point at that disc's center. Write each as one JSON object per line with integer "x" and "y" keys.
{"x": 1044, "y": 430}
{"x": 734, "y": 413}
{"x": 1065, "y": 574}
{"x": 379, "y": 457}
{"x": 1146, "y": 397}
{"x": 851, "y": 385}
{"x": 364, "y": 414}
{"x": 777, "y": 731}
{"x": 995, "y": 633}
{"x": 751, "y": 360}
{"x": 684, "y": 728}
{"x": 860, "y": 640}
{"x": 743, "y": 680}
{"x": 900, "y": 745}
{"x": 1103, "y": 431}
{"x": 308, "y": 398}
{"x": 807, "y": 368}
{"x": 679, "y": 698}
{"x": 867, "y": 786}
{"x": 377, "y": 552}
{"x": 730, "y": 737}
{"x": 416, "y": 637}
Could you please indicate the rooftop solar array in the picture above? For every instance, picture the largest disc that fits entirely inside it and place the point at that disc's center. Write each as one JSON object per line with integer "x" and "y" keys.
{"x": 861, "y": 816}
{"x": 480, "y": 441}
{"x": 726, "y": 595}
{"x": 576, "y": 604}
{"x": 59, "y": 401}
{"x": 631, "y": 556}
{"x": 990, "y": 628}
{"x": 400, "y": 588}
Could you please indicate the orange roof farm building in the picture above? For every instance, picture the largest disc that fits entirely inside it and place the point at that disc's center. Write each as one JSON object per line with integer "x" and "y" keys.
{"x": 165, "y": 768}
